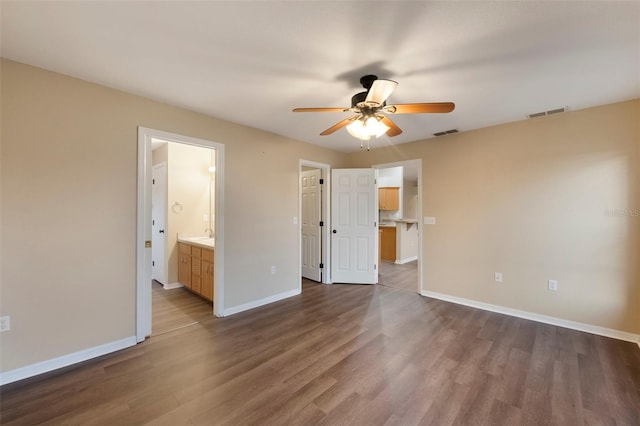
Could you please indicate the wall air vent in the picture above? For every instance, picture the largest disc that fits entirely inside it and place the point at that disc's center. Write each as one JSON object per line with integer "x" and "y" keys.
{"x": 446, "y": 132}
{"x": 543, "y": 113}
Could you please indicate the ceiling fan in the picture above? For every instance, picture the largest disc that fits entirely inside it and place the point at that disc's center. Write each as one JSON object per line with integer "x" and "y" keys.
{"x": 370, "y": 108}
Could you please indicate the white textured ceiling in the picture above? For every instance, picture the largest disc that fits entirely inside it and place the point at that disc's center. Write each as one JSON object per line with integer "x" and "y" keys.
{"x": 251, "y": 62}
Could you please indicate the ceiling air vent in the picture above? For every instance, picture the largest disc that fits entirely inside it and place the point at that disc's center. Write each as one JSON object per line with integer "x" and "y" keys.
{"x": 446, "y": 132}
{"x": 543, "y": 113}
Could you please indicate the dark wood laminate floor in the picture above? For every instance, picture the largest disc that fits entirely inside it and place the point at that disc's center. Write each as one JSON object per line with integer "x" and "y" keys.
{"x": 346, "y": 355}
{"x": 404, "y": 277}
{"x": 176, "y": 308}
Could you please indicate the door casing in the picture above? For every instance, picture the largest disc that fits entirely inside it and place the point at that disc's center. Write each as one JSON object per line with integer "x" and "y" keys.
{"x": 143, "y": 232}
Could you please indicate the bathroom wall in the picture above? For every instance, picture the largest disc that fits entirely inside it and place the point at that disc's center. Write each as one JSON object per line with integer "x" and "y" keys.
{"x": 190, "y": 192}
{"x": 188, "y": 197}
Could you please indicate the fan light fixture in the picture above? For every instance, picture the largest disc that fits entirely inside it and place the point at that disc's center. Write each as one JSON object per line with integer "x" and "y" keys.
{"x": 363, "y": 128}
{"x": 371, "y": 109}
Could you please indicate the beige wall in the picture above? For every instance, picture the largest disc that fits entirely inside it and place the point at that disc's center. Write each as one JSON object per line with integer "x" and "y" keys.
{"x": 68, "y": 230}
{"x": 527, "y": 199}
{"x": 531, "y": 200}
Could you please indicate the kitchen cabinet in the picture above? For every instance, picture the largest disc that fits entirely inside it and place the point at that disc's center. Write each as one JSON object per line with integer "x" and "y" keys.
{"x": 388, "y": 243}
{"x": 195, "y": 269}
{"x": 389, "y": 198}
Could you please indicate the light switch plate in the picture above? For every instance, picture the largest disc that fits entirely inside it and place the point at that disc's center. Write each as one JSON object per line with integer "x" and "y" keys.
{"x": 5, "y": 324}
{"x": 429, "y": 220}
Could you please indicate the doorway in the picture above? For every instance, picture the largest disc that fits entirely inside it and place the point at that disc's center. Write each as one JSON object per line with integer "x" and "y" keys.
{"x": 210, "y": 220}
{"x": 314, "y": 184}
{"x": 400, "y": 224}
{"x": 182, "y": 213}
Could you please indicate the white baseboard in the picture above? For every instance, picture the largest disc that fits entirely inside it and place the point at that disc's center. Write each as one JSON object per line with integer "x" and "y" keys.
{"x": 407, "y": 260}
{"x": 171, "y": 286}
{"x": 260, "y": 302}
{"x": 65, "y": 360}
{"x": 593, "y": 329}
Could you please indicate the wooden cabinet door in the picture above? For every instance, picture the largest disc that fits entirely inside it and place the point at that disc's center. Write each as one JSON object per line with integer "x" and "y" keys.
{"x": 392, "y": 199}
{"x": 196, "y": 274}
{"x": 389, "y": 198}
{"x": 207, "y": 280}
{"x": 381, "y": 198}
{"x": 388, "y": 244}
{"x": 184, "y": 269}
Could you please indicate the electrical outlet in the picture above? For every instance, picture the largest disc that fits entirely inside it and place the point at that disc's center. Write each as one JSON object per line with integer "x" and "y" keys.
{"x": 552, "y": 285}
{"x": 498, "y": 277}
{"x": 273, "y": 269}
{"x": 5, "y": 324}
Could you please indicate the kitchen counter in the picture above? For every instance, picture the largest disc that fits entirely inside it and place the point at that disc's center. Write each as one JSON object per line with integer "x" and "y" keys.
{"x": 407, "y": 220}
{"x": 399, "y": 240}
{"x": 203, "y": 242}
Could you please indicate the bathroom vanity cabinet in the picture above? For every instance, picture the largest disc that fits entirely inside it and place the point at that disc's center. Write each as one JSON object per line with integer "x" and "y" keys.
{"x": 195, "y": 269}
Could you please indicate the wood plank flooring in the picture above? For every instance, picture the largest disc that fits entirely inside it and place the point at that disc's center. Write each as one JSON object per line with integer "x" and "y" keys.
{"x": 404, "y": 277}
{"x": 176, "y": 308}
{"x": 346, "y": 355}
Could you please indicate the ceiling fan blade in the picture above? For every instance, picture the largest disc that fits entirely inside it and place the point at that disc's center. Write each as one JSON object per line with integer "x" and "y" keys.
{"x": 433, "y": 107}
{"x": 339, "y": 125}
{"x": 394, "y": 130}
{"x": 380, "y": 91}
{"x": 320, "y": 109}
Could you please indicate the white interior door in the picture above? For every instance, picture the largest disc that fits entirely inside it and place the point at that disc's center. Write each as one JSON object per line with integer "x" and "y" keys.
{"x": 311, "y": 231}
{"x": 158, "y": 223}
{"x": 354, "y": 238}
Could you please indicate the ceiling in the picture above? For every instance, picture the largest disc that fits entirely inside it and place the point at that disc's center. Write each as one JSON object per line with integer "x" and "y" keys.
{"x": 251, "y": 62}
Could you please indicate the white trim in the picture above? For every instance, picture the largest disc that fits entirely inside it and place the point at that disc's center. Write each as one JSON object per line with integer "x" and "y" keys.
{"x": 407, "y": 260}
{"x": 588, "y": 328}
{"x": 326, "y": 217}
{"x": 260, "y": 302}
{"x": 143, "y": 227}
{"x": 172, "y": 286}
{"x": 65, "y": 360}
{"x": 143, "y": 255}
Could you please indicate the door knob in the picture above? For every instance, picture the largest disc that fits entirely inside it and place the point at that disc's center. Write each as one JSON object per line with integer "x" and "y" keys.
{"x": 161, "y": 231}
{"x": 335, "y": 232}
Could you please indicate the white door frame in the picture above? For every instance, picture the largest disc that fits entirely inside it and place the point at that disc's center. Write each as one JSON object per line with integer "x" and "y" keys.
{"x": 418, "y": 163}
{"x": 326, "y": 208}
{"x": 143, "y": 252}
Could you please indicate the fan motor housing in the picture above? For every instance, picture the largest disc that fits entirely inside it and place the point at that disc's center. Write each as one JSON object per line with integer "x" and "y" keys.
{"x": 357, "y": 98}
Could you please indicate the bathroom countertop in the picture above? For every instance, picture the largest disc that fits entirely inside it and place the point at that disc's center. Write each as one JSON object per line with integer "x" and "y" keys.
{"x": 204, "y": 242}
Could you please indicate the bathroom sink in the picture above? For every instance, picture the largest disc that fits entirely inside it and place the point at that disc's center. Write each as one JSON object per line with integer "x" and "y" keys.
{"x": 204, "y": 241}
